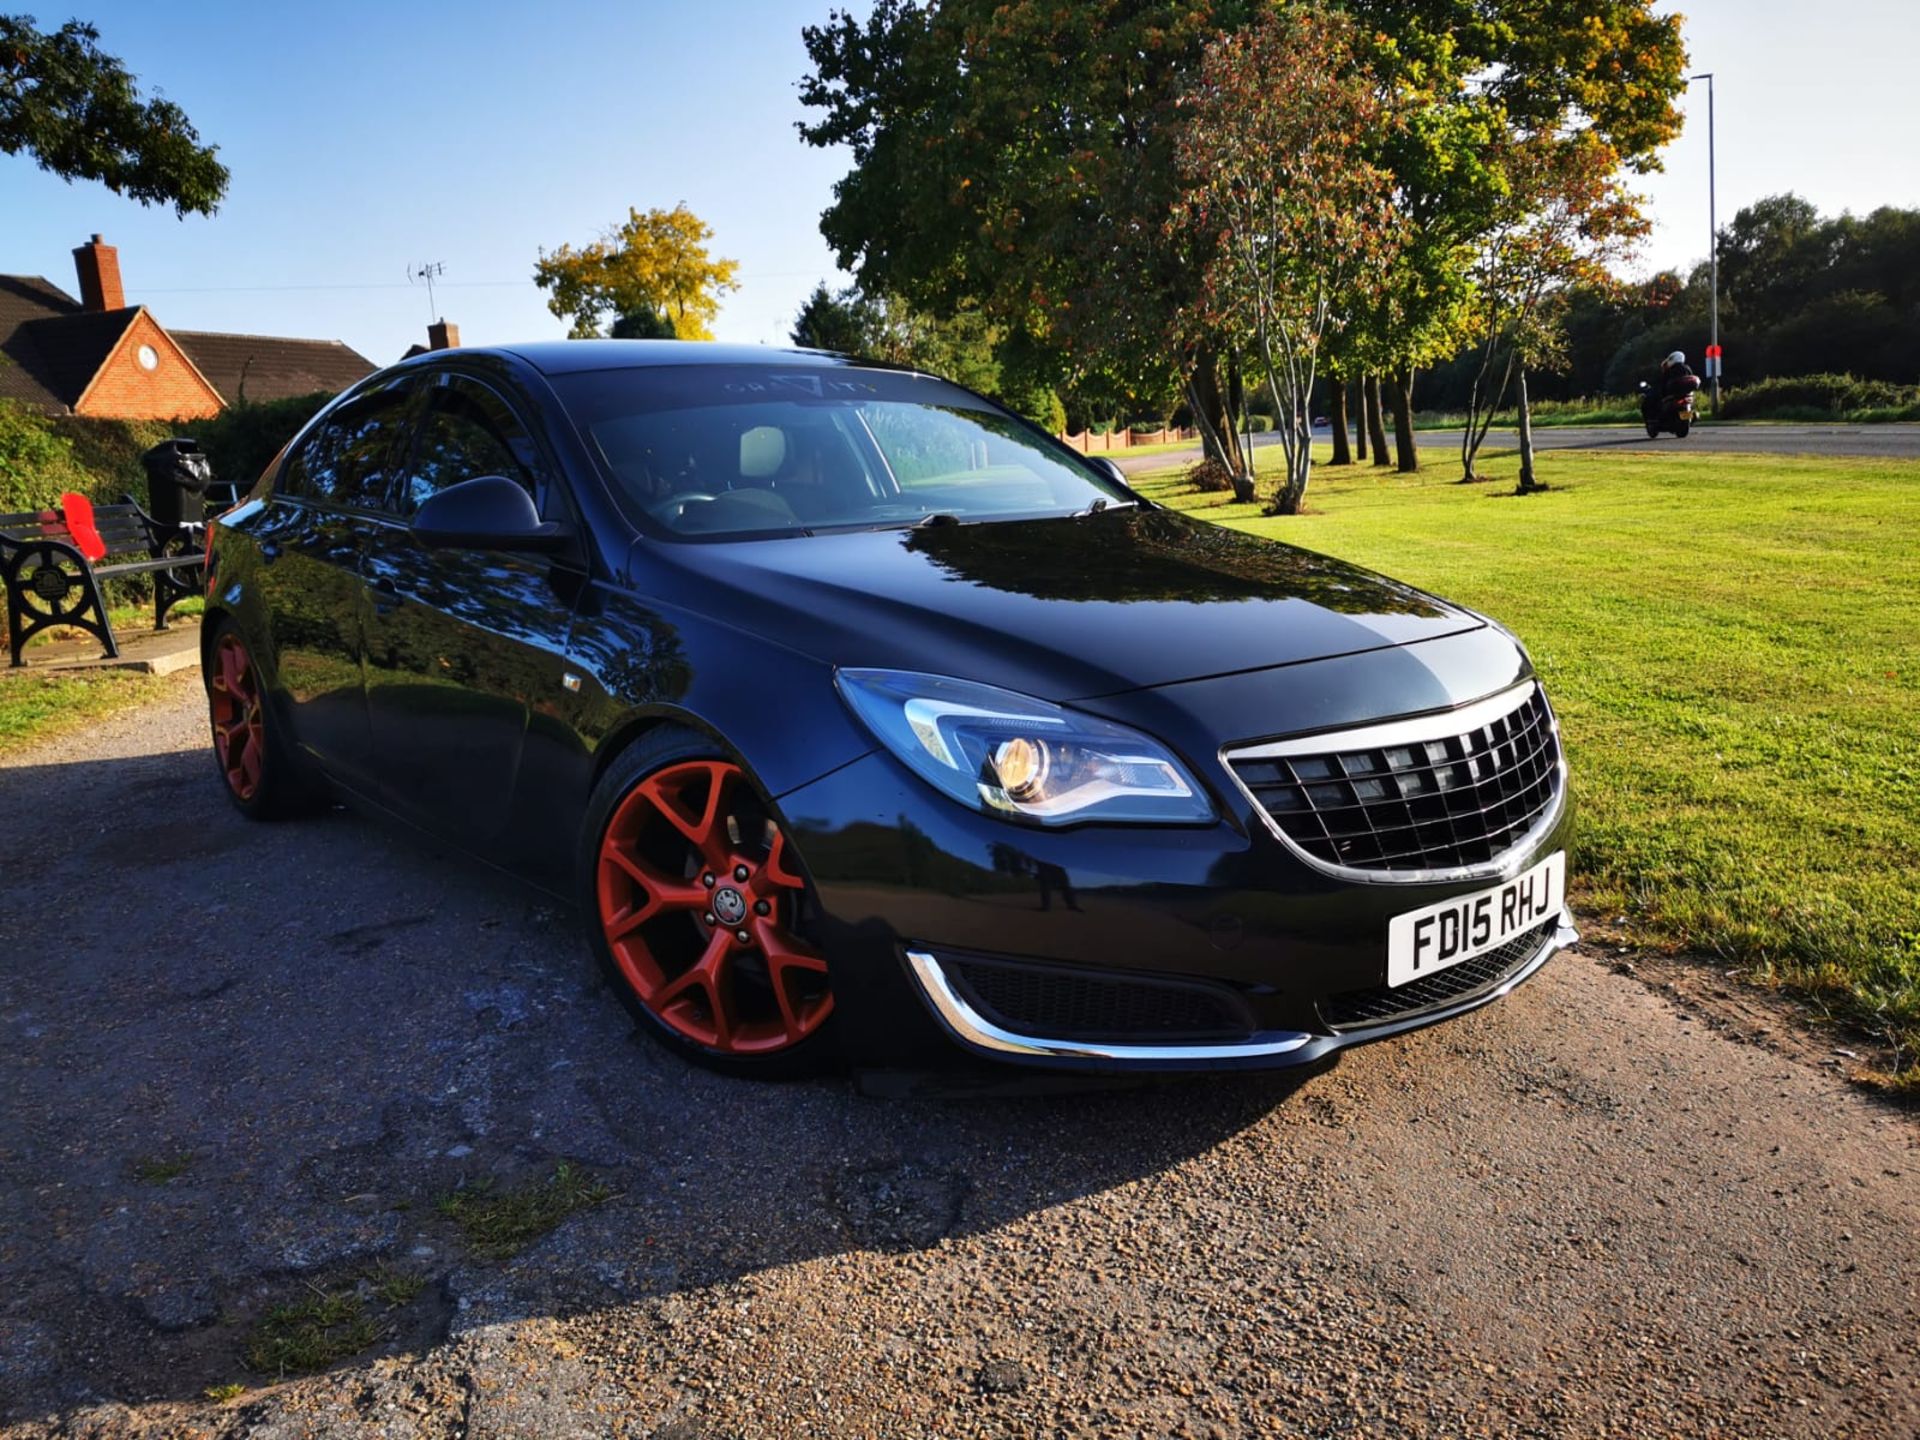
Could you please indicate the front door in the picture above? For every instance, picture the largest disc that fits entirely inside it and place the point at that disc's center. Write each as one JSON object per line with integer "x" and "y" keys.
{"x": 462, "y": 644}
{"x": 313, "y": 536}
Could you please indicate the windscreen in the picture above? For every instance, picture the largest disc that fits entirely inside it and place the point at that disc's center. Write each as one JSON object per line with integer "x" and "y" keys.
{"x": 704, "y": 450}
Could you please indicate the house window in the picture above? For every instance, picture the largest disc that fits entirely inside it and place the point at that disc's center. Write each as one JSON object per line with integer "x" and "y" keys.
{"x": 148, "y": 357}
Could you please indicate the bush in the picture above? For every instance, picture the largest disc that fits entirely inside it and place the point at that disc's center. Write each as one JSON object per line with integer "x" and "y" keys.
{"x": 36, "y": 462}
{"x": 1211, "y": 476}
{"x": 1816, "y": 397}
{"x": 241, "y": 440}
{"x": 1259, "y": 424}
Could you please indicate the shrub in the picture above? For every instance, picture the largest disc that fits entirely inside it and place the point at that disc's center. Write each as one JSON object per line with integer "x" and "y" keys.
{"x": 1259, "y": 424}
{"x": 1211, "y": 476}
{"x": 241, "y": 440}
{"x": 36, "y": 461}
{"x": 1817, "y": 397}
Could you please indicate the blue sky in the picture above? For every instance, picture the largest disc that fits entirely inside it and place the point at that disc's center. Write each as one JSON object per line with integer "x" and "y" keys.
{"x": 364, "y": 138}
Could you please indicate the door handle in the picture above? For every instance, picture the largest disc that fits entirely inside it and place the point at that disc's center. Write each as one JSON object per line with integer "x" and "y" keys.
{"x": 386, "y": 596}
{"x": 269, "y": 550}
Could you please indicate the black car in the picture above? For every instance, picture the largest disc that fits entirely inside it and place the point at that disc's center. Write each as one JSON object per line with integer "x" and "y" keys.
{"x": 868, "y": 722}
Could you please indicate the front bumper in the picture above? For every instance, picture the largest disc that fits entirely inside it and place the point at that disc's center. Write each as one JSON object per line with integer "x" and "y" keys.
{"x": 1260, "y": 1050}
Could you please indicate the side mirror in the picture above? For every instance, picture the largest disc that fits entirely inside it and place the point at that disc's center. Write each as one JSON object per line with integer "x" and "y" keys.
{"x": 1107, "y": 468}
{"x": 490, "y": 512}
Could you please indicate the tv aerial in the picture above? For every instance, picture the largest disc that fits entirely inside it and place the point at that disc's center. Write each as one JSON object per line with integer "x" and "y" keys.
{"x": 429, "y": 271}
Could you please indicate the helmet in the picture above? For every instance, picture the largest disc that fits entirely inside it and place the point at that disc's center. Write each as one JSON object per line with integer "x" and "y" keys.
{"x": 1676, "y": 358}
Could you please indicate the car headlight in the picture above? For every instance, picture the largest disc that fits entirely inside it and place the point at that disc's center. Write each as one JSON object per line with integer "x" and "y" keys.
{"x": 1015, "y": 756}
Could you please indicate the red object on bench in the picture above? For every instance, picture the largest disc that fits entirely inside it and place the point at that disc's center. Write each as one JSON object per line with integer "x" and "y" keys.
{"x": 78, "y": 510}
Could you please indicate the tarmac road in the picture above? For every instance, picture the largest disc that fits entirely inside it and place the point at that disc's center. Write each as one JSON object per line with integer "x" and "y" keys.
{"x": 238, "y": 1062}
{"x": 1892, "y": 442}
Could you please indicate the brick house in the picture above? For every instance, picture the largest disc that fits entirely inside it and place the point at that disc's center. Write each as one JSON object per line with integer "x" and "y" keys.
{"x": 100, "y": 356}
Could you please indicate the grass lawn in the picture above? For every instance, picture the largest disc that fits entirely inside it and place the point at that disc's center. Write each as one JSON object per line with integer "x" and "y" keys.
{"x": 38, "y": 705}
{"x": 1733, "y": 645}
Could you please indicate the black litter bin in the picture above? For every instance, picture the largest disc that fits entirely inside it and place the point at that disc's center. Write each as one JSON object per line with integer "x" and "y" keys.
{"x": 180, "y": 483}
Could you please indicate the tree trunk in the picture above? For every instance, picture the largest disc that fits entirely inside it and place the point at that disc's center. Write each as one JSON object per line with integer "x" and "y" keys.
{"x": 1216, "y": 426}
{"x": 1527, "y": 483}
{"x": 1400, "y": 391}
{"x": 1376, "y": 426}
{"x": 1359, "y": 418}
{"x": 1337, "y": 422}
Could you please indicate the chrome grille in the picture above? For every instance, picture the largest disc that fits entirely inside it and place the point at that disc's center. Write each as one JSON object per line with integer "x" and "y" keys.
{"x": 1448, "y": 792}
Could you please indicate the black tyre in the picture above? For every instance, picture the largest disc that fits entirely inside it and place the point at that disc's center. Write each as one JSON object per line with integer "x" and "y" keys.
{"x": 1681, "y": 427}
{"x": 697, "y": 911}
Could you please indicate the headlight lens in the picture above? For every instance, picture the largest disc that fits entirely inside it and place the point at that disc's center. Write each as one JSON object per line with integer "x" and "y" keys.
{"x": 1015, "y": 756}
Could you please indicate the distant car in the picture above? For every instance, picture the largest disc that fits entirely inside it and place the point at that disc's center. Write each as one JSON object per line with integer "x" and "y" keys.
{"x": 868, "y": 723}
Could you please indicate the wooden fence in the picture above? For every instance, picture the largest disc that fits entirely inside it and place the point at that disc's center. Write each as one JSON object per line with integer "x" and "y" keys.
{"x": 1089, "y": 442}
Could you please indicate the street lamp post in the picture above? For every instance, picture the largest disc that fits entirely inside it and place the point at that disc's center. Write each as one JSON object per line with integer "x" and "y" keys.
{"x": 1713, "y": 256}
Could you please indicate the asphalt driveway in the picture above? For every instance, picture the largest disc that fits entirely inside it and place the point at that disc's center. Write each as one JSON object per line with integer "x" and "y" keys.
{"x": 239, "y": 1064}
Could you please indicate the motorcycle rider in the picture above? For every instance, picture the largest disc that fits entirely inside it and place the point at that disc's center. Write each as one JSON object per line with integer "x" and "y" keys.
{"x": 1669, "y": 383}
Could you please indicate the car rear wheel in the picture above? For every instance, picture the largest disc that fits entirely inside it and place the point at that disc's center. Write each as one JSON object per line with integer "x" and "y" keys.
{"x": 263, "y": 778}
{"x": 696, "y": 905}
{"x": 1680, "y": 428}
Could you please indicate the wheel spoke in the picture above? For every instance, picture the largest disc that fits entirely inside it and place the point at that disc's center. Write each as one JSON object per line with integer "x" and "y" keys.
{"x": 661, "y": 892}
{"x": 777, "y": 870}
{"x": 709, "y": 975}
{"x": 700, "y": 829}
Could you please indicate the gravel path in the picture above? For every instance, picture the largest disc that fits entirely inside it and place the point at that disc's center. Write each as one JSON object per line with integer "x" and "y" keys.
{"x": 1581, "y": 1212}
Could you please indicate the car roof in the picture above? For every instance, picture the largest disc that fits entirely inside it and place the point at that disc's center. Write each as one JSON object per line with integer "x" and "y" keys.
{"x": 566, "y": 357}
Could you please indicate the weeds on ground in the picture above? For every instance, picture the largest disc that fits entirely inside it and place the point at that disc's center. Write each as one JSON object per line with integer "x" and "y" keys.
{"x": 498, "y": 1221}
{"x": 159, "y": 1169}
{"x": 328, "y": 1325}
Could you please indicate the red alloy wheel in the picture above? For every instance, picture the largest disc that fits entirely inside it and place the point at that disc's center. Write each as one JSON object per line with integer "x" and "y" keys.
{"x": 697, "y": 901}
{"x": 239, "y": 733}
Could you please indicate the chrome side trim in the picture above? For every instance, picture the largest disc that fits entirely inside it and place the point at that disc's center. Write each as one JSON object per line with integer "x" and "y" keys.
{"x": 976, "y": 1030}
{"x": 1435, "y": 726}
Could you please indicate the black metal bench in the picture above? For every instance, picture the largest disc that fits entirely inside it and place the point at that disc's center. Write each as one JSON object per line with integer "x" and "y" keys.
{"x": 53, "y": 561}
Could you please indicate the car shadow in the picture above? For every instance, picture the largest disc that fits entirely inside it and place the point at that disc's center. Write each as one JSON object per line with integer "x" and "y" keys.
{"x": 244, "y": 1061}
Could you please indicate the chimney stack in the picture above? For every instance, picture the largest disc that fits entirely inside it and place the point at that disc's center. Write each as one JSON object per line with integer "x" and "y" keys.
{"x": 98, "y": 264}
{"x": 443, "y": 335}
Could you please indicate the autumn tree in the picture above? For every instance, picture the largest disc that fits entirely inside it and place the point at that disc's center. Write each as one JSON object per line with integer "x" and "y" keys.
{"x": 1566, "y": 222}
{"x": 657, "y": 263}
{"x": 76, "y": 110}
{"x": 1273, "y": 153}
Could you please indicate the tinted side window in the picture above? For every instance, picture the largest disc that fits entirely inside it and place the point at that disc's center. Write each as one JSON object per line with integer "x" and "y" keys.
{"x": 350, "y": 458}
{"x": 466, "y": 432}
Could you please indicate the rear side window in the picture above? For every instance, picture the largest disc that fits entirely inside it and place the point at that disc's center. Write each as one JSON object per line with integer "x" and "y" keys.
{"x": 350, "y": 458}
{"x": 468, "y": 431}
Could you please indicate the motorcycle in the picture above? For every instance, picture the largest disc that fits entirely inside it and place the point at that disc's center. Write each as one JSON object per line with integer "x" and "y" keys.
{"x": 1669, "y": 412}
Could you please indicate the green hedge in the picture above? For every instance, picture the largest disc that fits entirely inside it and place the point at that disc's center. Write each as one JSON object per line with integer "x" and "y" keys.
{"x": 1815, "y": 397}
{"x": 43, "y": 456}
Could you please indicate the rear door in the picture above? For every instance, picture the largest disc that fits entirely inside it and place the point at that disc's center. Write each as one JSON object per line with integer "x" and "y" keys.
{"x": 463, "y": 645}
{"x": 313, "y": 538}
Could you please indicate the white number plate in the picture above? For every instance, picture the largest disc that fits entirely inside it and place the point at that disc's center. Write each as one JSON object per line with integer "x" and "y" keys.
{"x": 1424, "y": 941}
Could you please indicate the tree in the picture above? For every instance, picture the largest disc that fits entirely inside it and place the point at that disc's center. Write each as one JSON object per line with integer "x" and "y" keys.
{"x": 834, "y": 320}
{"x": 1473, "y": 74}
{"x": 1565, "y": 222}
{"x": 76, "y": 110}
{"x": 1299, "y": 222}
{"x": 645, "y": 323}
{"x": 656, "y": 263}
{"x": 1015, "y": 157}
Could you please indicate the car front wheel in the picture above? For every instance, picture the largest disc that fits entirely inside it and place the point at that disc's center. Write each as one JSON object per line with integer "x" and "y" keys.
{"x": 696, "y": 905}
